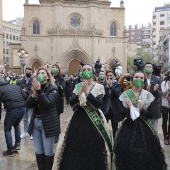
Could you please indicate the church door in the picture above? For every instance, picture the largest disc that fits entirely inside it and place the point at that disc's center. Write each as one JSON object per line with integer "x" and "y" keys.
{"x": 73, "y": 66}
{"x": 35, "y": 66}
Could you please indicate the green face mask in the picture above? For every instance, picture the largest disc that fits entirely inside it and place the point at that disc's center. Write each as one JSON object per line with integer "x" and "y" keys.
{"x": 80, "y": 74}
{"x": 54, "y": 70}
{"x": 148, "y": 70}
{"x": 101, "y": 77}
{"x": 41, "y": 78}
{"x": 87, "y": 74}
{"x": 138, "y": 83}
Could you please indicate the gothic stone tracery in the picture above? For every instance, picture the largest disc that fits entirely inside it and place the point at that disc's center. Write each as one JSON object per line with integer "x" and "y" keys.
{"x": 83, "y": 32}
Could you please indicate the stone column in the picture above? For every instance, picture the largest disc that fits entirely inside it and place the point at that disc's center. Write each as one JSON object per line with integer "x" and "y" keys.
{"x": 26, "y": 1}
{"x": 121, "y": 4}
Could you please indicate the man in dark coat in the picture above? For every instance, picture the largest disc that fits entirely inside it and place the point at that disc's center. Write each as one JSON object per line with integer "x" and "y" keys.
{"x": 26, "y": 84}
{"x": 13, "y": 98}
{"x": 97, "y": 67}
{"x": 68, "y": 84}
{"x": 110, "y": 104}
{"x": 153, "y": 85}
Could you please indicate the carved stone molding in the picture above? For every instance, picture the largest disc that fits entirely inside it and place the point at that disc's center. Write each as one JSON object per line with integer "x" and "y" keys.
{"x": 46, "y": 1}
{"x": 79, "y": 32}
{"x": 35, "y": 49}
{"x": 75, "y": 43}
{"x": 113, "y": 50}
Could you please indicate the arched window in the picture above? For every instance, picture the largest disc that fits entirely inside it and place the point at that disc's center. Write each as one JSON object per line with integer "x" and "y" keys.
{"x": 36, "y": 27}
{"x": 113, "y": 29}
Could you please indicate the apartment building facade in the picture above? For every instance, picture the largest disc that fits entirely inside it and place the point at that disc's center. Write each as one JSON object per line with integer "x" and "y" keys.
{"x": 11, "y": 35}
{"x": 160, "y": 21}
{"x": 139, "y": 36}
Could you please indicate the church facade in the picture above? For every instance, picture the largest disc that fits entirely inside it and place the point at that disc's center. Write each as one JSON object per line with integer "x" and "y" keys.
{"x": 69, "y": 31}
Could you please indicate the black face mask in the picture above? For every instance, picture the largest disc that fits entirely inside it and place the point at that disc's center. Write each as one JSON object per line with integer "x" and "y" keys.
{"x": 28, "y": 75}
{"x": 109, "y": 78}
{"x": 168, "y": 78}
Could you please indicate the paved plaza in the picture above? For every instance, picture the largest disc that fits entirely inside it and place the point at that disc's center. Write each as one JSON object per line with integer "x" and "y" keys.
{"x": 25, "y": 158}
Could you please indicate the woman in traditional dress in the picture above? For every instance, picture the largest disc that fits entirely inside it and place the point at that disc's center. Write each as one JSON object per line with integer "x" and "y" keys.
{"x": 137, "y": 146}
{"x": 86, "y": 144}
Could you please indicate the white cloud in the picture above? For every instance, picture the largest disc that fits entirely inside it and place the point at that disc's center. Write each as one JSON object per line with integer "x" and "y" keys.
{"x": 12, "y": 9}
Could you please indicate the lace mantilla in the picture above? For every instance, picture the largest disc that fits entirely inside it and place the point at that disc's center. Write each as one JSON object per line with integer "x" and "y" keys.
{"x": 146, "y": 98}
{"x": 97, "y": 89}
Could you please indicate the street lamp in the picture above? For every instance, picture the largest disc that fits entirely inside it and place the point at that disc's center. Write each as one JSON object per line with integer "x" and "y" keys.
{"x": 47, "y": 65}
{"x": 22, "y": 55}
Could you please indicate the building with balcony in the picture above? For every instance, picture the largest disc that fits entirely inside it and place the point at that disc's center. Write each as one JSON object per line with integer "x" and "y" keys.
{"x": 11, "y": 35}
{"x": 161, "y": 21}
{"x": 163, "y": 49}
{"x": 139, "y": 36}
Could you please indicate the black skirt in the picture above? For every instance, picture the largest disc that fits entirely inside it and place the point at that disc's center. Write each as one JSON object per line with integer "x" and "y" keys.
{"x": 137, "y": 148}
{"x": 84, "y": 147}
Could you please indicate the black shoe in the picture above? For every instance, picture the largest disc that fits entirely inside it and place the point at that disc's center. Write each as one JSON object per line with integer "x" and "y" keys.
{"x": 8, "y": 153}
{"x": 17, "y": 147}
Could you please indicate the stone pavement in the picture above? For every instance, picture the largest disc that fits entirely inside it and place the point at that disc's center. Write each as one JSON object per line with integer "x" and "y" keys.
{"x": 25, "y": 158}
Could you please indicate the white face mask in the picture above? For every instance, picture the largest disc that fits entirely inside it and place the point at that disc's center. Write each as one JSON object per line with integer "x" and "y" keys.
{"x": 117, "y": 72}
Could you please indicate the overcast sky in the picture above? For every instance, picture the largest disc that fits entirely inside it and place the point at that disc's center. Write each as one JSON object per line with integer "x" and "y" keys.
{"x": 137, "y": 11}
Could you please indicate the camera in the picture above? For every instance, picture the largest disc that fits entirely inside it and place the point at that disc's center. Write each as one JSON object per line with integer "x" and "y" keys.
{"x": 129, "y": 78}
{"x": 97, "y": 61}
{"x": 138, "y": 62}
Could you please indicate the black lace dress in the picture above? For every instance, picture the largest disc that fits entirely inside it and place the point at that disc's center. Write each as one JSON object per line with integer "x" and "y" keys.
{"x": 136, "y": 147}
{"x": 83, "y": 147}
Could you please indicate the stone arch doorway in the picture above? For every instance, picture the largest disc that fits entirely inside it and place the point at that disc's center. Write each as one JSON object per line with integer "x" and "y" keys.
{"x": 70, "y": 60}
{"x": 35, "y": 66}
{"x": 73, "y": 66}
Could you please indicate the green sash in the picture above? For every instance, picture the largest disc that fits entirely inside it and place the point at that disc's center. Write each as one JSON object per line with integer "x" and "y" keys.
{"x": 130, "y": 94}
{"x": 94, "y": 117}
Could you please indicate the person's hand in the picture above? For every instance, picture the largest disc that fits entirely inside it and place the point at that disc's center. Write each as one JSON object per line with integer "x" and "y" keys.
{"x": 109, "y": 83}
{"x": 36, "y": 84}
{"x": 24, "y": 89}
{"x": 155, "y": 88}
{"x": 140, "y": 105}
{"x": 129, "y": 104}
{"x": 149, "y": 87}
{"x": 84, "y": 87}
